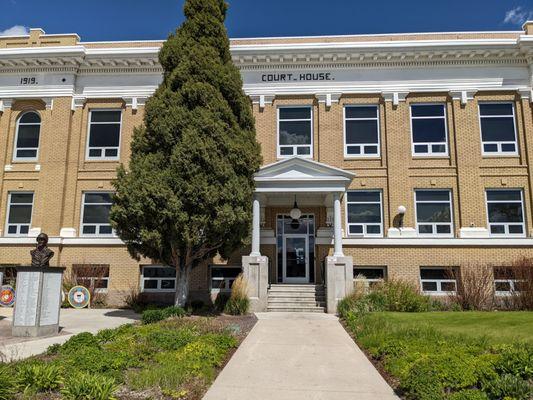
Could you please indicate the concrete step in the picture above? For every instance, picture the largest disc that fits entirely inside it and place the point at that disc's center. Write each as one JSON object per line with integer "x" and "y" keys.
{"x": 295, "y": 304}
{"x": 296, "y": 294}
{"x": 276, "y": 299}
{"x": 301, "y": 289}
{"x": 296, "y": 309}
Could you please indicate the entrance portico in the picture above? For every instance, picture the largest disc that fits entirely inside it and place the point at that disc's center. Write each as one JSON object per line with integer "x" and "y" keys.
{"x": 303, "y": 184}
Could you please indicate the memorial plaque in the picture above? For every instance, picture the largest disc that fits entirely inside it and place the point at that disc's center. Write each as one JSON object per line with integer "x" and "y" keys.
{"x": 28, "y": 283}
{"x": 50, "y": 299}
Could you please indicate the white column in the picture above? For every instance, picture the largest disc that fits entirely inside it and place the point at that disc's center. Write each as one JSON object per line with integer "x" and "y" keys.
{"x": 256, "y": 227}
{"x": 337, "y": 225}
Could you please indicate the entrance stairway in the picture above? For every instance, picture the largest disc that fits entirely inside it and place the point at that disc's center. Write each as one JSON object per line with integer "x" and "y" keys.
{"x": 302, "y": 298}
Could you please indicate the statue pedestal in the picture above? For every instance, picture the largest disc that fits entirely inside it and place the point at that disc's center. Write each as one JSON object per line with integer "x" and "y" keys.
{"x": 38, "y": 301}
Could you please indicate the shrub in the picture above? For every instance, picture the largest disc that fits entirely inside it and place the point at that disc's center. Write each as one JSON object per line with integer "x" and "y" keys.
{"x": 8, "y": 384}
{"x": 393, "y": 295}
{"x": 81, "y": 340}
{"x": 173, "y": 311}
{"x": 220, "y": 301}
{"x": 39, "y": 377}
{"x": 151, "y": 316}
{"x": 522, "y": 272}
{"x": 238, "y": 303}
{"x": 509, "y": 387}
{"x": 468, "y": 394}
{"x": 516, "y": 359}
{"x": 475, "y": 288}
{"x": 89, "y": 387}
{"x": 96, "y": 360}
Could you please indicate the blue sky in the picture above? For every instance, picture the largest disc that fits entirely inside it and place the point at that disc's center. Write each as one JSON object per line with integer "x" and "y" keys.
{"x": 154, "y": 19}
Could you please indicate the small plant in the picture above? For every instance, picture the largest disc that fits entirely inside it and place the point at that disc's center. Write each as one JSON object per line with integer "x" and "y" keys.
{"x": 134, "y": 300}
{"x": 89, "y": 387}
{"x": 81, "y": 340}
{"x": 8, "y": 385}
{"x": 509, "y": 387}
{"x": 220, "y": 301}
{"x": 39, "y": 377}
{"x": 151, "y": 316}
{"x": 173, "y": 311}
{"x": 238, "y": 303}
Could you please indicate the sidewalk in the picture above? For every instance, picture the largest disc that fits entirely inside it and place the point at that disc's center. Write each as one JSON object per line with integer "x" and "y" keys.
{"x": 71, "y": 322}
{"x": 299, "y": 356}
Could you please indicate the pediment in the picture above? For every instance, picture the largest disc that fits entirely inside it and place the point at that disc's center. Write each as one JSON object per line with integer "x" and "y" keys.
{"x": 298, "y": 168}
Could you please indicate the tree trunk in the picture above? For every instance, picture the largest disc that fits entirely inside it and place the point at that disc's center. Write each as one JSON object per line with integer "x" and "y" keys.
{"x": 182, "y": 285}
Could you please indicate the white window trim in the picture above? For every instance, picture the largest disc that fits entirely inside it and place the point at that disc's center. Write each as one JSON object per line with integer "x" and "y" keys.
{"x": 9, "y": 210}
{"x": 96, "y": 234}
{"x": 506, "y": 224}
{"x": 434, "y": 224}
{"x": 87, "y": 147}
{"x": 227, "y": 281}
{"x": 364, "y": 234}
{"x": 499, "y": 143}
{"x": 361, "y": 145}
{"x": 429, "y": 144}
{"x": 512, "y": 285}
{"x": 439, "y": 282}
{"x": 15, "y": 148}
{"x": 158, "y": 290}
{"x": 278, "y": 148}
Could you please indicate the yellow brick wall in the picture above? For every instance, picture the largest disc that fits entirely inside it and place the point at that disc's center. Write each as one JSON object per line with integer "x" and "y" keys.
{"x": 64, "y": 175}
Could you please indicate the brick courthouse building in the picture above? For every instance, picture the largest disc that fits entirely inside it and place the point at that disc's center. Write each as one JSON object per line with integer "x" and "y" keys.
{"x": 405, "y": 154}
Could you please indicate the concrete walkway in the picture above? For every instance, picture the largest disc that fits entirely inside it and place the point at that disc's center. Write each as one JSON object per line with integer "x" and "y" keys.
{"x": 299, "y": 356}
{"x": 71, "y": 322}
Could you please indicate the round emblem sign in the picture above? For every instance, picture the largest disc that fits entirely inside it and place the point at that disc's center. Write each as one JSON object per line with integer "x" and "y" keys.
{"x": 7, "y": 296}
{"x": 79, "y": 297}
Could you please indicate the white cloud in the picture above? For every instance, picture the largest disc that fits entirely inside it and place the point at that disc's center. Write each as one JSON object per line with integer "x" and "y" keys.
{"x": 16, "y": 30}
{"x": 517, "y": 16}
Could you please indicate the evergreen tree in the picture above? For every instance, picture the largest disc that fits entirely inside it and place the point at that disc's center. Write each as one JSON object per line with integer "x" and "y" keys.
{"x": 187, "y": 193}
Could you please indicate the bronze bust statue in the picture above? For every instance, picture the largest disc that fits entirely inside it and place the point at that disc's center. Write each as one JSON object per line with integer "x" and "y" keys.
{"x": 41, "y": 255}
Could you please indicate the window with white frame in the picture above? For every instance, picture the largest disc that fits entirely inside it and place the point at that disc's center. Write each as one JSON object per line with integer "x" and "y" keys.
{"x": 505, "y": 212}
{"x": 498, "y": 131}
{"x": 295, "y": 131}
{"x": 361, "y": 131}
{"x": 364, "y": 212}
{"x": 104, "y": 134}
{"x": 435, "y": 280}
{"x": 93, "y": 276}
{"x": 370, "y": 276}
{"x": 428, "y": 127}
{"x": 20, "y": 205}
{"x": 95, "y": 215}
{"x": 222, "y": 277}
{"x": 506, "y": 282}
{"x": 157, "y": 278}
{"x": 434, "y": 212}
{"x": 28, "y": 135}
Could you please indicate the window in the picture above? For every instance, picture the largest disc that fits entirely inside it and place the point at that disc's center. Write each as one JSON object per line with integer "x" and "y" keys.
{"x": 505, "y": 212}
{"x": 95, "y": 218}
{"x": 364, "y": 212}
{"x": 158, "y": 279}
{"x": 222, "y": 277}
{"x": 498, "y": 133}
{"x": 19, "y": 213}
{"x": 428, "y": 127}
{"x": 370, "y": 276}
{"x": 433, "y": 212}
{"x": 361, "y": 131}
{"x": 92, "y": 276}
{"x": 27, "y": 140}
{"x": 438, "y": 280}
{"x": 295, "y": 128}
{"x": 104, "y": 134}
{"x": 505, "y": 281}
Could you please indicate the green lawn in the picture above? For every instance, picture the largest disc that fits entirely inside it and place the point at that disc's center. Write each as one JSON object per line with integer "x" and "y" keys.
{"x": 498, "y": 326}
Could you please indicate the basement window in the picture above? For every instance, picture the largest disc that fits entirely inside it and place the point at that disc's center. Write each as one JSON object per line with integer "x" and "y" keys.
{"x": 222, "y": 277}
{"x": 158, "y": 278}
{"x": 369, "y": 276}
{"x": 438, "y": 280}
{"x": 92, "y": 276}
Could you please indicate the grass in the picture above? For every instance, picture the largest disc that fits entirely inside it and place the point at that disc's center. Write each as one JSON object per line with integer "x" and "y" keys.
{"x": 497, "y": 326}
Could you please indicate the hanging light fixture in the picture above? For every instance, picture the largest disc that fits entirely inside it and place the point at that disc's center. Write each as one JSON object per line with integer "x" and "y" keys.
{"x": 295, "y": 213}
